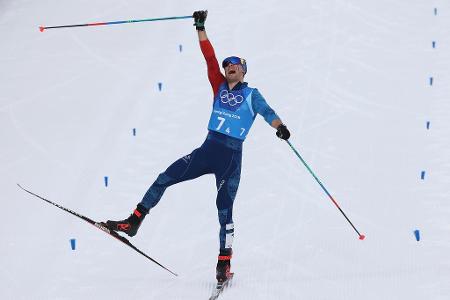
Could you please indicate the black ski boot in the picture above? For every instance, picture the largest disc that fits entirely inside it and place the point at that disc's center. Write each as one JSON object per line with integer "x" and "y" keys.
{"x": 130, "y": 225}
{"x": 223, "y": 265}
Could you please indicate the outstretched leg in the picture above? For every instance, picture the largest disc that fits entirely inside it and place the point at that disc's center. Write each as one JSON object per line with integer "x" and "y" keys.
{"x": 186, "y": 168}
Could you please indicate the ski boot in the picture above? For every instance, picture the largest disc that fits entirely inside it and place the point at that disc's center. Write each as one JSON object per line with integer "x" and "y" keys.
{"x": 130, "y": 225}
{"x": 223, "y": 265}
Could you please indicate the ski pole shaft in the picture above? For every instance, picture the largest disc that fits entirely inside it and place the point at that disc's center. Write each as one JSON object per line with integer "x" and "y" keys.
{"x": 42, "y": 28}
{"x": 361, "y": 236}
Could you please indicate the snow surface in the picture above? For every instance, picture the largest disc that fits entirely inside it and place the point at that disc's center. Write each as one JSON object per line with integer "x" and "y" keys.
{"x": 349, "y": 78}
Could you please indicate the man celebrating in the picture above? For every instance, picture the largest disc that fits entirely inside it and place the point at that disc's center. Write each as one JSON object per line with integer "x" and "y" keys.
{"x": 234, "y": 109}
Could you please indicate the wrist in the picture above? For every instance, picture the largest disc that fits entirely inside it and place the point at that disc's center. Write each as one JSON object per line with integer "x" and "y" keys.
{"x": 276, "y": 123}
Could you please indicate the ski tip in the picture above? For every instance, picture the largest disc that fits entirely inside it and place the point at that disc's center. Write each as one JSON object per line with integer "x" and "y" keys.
{"x": 362, "y": 237}
{"x": 41, "y": 28}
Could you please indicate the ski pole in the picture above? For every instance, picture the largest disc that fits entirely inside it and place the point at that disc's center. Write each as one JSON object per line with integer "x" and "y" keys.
{"x": 361, "y": 236}
{"x": 42, "y": 28}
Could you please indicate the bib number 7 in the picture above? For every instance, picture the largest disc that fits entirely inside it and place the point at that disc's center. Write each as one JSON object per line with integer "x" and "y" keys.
{"x": 221, "y": 121}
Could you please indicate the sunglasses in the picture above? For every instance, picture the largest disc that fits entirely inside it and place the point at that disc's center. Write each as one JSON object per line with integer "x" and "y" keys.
{"x": 234, "y": 60}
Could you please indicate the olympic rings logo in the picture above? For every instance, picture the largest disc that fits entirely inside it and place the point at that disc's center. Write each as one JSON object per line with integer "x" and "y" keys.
{"x": 231, "y": 99}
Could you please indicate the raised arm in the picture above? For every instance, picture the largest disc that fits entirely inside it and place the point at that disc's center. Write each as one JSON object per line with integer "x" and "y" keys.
{"x": 202, "y": 35}
{"x": 215, "y": 77}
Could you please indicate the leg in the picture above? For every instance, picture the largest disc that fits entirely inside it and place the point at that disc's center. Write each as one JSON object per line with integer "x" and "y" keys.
{"x": 186, "y": 168}
{"x": 227, "y": 186}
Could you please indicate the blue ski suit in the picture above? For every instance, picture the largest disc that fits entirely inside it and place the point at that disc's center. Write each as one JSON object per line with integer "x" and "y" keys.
{"x": 232, "y": 115}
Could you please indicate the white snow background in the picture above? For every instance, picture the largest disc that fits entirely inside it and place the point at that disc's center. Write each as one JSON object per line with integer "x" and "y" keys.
{"x": 351, "y": 79}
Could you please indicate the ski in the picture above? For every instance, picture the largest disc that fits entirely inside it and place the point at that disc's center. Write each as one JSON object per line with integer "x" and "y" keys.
{"x": 220, "y": 286}
{"x": 100, "y": 226}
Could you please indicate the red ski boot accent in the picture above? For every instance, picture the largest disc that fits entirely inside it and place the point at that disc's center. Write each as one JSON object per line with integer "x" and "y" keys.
{"x": 130, "y": 225}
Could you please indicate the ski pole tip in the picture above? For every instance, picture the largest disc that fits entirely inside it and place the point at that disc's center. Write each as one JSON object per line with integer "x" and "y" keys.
{"x": 41, "y": 28}
{"x": 362, "y": 237}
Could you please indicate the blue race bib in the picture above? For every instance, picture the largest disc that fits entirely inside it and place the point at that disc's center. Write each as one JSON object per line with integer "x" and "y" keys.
{"x": 232, "y": 112}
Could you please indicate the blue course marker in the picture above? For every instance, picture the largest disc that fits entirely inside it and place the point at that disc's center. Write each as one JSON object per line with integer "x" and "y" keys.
{"x": 422, "y": 175}
{"x": 160, "y": 86}
{"x": 106, "y": 181}
{"x": 73, "y": 243}
{"x": 417, "y": 234}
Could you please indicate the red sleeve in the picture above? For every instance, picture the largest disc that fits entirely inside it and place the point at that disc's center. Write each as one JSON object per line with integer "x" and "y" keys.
{"x": 215, "y": 77}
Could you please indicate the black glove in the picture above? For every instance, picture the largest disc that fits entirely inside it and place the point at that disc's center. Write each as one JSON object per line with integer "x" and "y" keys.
{"x": 200, "y": 18}
{"x": 282, "y": 132}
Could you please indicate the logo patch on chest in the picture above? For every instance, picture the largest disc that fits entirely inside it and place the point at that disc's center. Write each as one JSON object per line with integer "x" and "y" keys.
{"x": 230, "y": 100}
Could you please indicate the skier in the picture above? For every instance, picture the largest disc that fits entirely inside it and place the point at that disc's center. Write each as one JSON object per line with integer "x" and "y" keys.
{"x": 235, "y": 106}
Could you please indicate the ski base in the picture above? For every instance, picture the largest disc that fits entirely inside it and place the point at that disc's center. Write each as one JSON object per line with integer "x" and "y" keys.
{"x": 220, "y": 287}
{"x": 100, "y": 225}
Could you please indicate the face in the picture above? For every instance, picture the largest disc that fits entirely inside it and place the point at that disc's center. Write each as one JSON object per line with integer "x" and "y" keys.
{"x": 234, "y": 73}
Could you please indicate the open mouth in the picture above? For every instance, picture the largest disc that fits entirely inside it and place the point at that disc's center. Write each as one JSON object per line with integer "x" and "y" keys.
{"x": 232, "y": 72}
